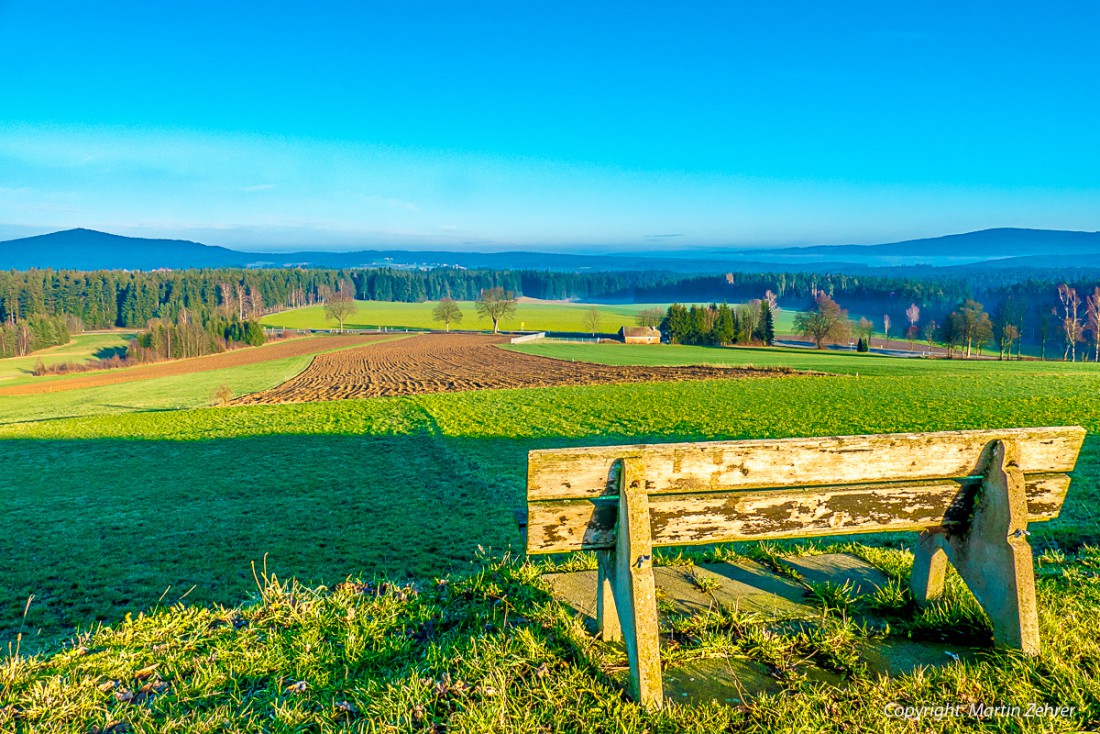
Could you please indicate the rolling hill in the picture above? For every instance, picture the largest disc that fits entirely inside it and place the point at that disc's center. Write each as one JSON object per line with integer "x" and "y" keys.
{"x": 86, "y": 249}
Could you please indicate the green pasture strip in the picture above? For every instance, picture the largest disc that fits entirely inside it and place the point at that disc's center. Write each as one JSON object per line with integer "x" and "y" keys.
{"x": 175, "y": 392}
{"x": 824, "y": 360}
{"x": 529, "y": 317}
{"x": 82, "y": 348}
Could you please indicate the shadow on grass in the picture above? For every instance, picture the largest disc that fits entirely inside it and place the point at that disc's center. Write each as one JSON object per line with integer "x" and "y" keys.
{"x": 97, "y": 528}
{"x": 110, "y": 352}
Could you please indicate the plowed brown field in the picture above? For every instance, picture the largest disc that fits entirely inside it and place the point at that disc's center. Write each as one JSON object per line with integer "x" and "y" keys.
{"x": 451, "y": 362}
{"x": 235, "y": 358}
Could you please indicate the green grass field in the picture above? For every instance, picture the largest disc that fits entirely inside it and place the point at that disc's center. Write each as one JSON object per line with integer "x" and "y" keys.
{"x": 119, "y": 512}
{"x": 82, "y": 348}
{"x": 269, "y": 478}
{"x": 530, "y": 316}
{"x": 845, "y": 362}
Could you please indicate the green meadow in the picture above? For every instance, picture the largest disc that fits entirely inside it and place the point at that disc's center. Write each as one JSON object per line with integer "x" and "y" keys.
{"x": 161, "y": 514}
{"x": 329, "y": 489}
{"x": 838, "y": 361}
{"x": 81, "y": 348}
{"x": 530, "y": 316}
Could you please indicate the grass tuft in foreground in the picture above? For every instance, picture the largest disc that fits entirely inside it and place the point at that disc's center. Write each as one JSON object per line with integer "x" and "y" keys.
{"x": 491, "y": 651}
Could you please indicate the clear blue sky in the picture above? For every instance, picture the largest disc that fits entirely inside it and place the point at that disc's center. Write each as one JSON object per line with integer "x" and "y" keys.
{"x": 485, "y": 125}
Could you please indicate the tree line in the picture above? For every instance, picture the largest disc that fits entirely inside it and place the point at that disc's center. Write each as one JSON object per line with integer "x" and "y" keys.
{"x": 104, "y": 299}
{"x": 719, "y": 324}
{"x": 39, "y": 331}
{"x": 969, "y": 328}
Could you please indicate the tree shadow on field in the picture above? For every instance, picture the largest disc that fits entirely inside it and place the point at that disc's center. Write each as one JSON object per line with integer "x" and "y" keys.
{"x": 97, "y": 528}
{"x": 110, "y": 352}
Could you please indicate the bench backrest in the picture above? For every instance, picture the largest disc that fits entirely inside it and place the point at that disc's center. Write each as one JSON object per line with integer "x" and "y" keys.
{"x": 727, "y": 491}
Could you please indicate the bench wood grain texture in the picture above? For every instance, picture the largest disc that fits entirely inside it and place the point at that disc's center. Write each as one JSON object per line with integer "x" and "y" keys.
{"x": 969, "y": 493}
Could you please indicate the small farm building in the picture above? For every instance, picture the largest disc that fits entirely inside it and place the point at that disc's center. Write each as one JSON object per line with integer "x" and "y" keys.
{"x": 640, "y": 335}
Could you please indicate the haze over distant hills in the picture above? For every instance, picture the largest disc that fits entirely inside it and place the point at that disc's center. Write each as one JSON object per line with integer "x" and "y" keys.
{"x": 85, "y": 249}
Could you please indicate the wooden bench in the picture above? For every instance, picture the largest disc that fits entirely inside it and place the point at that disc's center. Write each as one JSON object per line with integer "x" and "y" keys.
{"x": 970, "y": 494}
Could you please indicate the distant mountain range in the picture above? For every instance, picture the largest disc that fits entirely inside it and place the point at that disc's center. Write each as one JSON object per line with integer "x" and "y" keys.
{"x": 84, "y": 249}
{"x": 987, "y": 244}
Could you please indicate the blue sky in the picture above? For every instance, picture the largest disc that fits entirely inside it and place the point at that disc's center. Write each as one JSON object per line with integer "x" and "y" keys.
{"x": 551, "y": 124}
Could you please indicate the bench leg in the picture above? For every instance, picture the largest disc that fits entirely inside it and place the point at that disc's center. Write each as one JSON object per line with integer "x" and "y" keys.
{"x": 607, "y": 616}
{"x": 992, "y": 556}
{"x": 929, "y": 567}
{"x": 634, "y": 590}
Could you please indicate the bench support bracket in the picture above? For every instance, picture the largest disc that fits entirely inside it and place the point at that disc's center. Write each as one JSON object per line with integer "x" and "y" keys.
{"x": 992, "y": 555}
{"x": 626, "y": 597}
{"x": 607, "y": 616}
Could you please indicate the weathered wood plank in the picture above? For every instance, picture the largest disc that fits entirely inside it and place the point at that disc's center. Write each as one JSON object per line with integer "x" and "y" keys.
{"x": 634, "y": 589}
{"x": 735, "y": 465}
{"x": 692, "y": 519}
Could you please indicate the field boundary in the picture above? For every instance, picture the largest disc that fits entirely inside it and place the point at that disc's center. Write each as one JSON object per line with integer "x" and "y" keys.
{"x": 527, "y": 338}
{"x": 191, "y": 365}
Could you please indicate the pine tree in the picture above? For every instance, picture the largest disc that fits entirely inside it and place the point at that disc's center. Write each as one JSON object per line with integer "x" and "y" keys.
{"x": 767, "y": 324}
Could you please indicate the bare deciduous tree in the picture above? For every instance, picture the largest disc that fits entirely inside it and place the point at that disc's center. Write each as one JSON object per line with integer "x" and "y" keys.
{"x": 1092, "y": 312}
{"x": 865, "y": 329}
{"x": 825, "y": 321}
{"x": 339, "y": 305}
{"x": 225, "y": 299}
{"x": 1010, "y": 334}
{"x": 1071, "y": 321}
{"x": 886, "y": 327}
{"x": 223, "y": 394}
{"x": 591, "y": 320}
{"x": 930, "y": 334}
{"x": 651, "y": 317}
{"x": 496, "y": 304}
{"x": 912, "y": 333}
{"x": 23, "y": 340}
{"x": 255, "y": 303}
{"x": 913, "y": 314}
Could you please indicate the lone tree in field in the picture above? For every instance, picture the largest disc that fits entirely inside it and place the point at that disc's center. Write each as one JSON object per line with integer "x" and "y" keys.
{"x": 223, "y": 394}
{"x": 969, "y": 325}
{"x": 1008, "y": 326}
{"x": 930, "y": 334}
{"x": 825, "y": 321}
{"x": 865, "y": 329}
{"x": 651, "y": 317}
{"x": 339, "y": 305}
{"x": 913, "y": 314}
{"x": 886, "y": 329}
{"x": 591, "y": 320}
{"x": 496, "y": 304}
{"x": 448, "y": 312}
